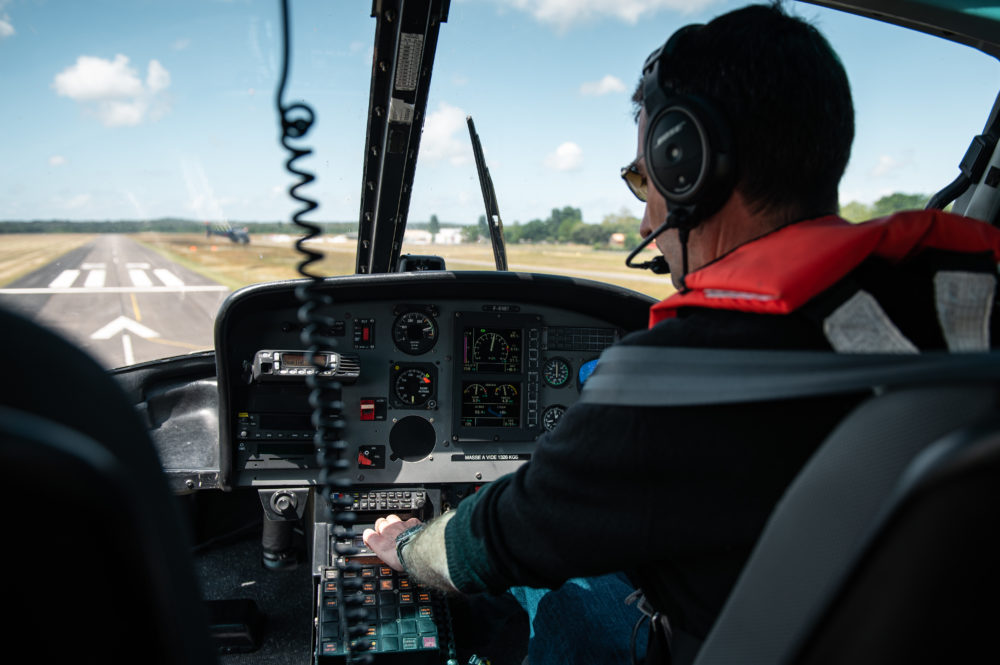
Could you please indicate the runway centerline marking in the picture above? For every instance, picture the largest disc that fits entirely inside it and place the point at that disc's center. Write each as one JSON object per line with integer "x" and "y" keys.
{"x": 135, "y": 307}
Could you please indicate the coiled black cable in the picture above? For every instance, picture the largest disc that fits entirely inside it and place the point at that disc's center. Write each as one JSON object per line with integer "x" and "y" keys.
{"x": 325, "y": 391}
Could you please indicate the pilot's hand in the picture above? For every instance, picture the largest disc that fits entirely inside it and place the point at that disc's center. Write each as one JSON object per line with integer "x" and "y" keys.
{"x": 382, "y": 539}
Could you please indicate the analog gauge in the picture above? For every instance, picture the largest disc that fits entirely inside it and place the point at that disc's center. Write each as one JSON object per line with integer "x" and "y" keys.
{"x": 551, "y": 416}
{"x": 507, "y": 392}
{"x": 491, "y": 348}
{"x": 414, "y": 386}
{"x": 556, "y": 372}
{"x": 414, "y": 333}
{"x": 475, "y": 392}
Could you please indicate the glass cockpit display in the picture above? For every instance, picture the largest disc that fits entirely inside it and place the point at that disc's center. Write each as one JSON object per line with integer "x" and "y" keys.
{"x": 497, "y": 376}
{"x": 491, "y": 404}
{"x": 491, "y": 350}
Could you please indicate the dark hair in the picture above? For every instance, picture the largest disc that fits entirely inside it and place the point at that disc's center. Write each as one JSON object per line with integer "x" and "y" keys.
{"x": 784, "y": 93}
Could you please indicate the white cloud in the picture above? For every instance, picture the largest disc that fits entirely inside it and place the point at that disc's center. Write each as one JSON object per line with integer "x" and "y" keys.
{"x": 889, "y": 166}
{"x": 565, "y": 13}
{"x": 181, "y": 44}
{"x": 77, "y": 202}
{"x": 113, "y": 89}
{"x": 567, "y": 157}
{"x": 158, "y": 78}
{"x": 442, "y": 138}
{"x": 6, "y": 28}
{"x": 605, "y": 86}
{"x": 57, "y": 160}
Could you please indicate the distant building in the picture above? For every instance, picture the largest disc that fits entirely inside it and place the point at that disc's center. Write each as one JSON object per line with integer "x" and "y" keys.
{"x": 448, "y": 236}
{"x": 617, "y": 240}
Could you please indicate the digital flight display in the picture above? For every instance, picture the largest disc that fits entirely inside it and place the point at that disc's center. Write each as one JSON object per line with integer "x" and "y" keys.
{"x": 491, "y": 350}
{"x": 491, "y": 404}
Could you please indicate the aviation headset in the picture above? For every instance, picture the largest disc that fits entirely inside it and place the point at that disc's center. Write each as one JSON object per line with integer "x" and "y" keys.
{"x": 688, "y": 150}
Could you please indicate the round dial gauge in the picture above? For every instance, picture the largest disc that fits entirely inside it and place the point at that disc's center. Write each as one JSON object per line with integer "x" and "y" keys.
{"x": 491, "y": 348}
{"x": 556, "y": 372}
{"x": 506, "y": 392}
{"x": 476, "y": 391}
{"x": 414, "y": 387}
{"x": 414, "y": 333}
{"x": 551, "y": 416}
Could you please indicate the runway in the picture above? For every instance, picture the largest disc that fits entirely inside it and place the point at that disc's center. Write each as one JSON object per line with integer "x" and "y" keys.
{"x": 121, "y": 302}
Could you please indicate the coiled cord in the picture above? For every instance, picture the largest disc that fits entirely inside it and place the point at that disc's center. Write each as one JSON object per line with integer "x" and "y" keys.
{"x": 325, "y": 391}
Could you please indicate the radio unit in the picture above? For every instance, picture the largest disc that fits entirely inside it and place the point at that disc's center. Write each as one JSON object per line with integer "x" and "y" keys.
{"x": 279, "y": 365}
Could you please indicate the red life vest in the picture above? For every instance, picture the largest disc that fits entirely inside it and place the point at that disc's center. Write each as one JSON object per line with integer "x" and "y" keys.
{"x": 780, "y": 272}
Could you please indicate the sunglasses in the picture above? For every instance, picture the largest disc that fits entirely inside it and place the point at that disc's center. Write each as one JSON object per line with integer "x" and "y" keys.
{"x": 637, "y": 183}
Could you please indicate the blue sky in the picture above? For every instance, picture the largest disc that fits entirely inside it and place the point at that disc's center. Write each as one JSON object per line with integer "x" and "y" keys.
{"x": 117, "y": 109}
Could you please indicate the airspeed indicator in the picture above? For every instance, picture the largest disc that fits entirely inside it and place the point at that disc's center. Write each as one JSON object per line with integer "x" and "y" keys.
{"x": 414, "y": 333}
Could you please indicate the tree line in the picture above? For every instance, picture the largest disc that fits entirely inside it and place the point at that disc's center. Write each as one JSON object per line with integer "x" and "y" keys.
{"x": 563, "y": 225}
{"x": 162, "y": 225}
{"x": 566, "y": 225}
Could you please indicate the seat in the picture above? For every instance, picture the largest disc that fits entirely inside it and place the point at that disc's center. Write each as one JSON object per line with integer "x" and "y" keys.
{"x": 885, "y": 547}
{"x": 96, "y": 562}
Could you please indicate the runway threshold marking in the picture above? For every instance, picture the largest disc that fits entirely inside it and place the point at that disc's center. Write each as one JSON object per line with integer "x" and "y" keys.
{"x": 65, "y": 278}
{"x": 140, "y": 278}
{"x": 95, "y": 279}
{"x": 199, "y": 288}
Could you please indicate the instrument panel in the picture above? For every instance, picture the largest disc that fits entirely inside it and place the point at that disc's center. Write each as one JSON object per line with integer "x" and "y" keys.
{"x": 447, "y": 377}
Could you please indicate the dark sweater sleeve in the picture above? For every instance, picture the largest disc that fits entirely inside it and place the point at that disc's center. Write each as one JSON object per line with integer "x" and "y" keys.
{"x": 557, "y": 516}
{"x": 614, "y": 488}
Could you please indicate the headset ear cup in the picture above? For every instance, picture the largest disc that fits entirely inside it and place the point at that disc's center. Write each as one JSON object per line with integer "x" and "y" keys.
{"x": 676, "y": 152}
{"x": 688, "y": 155}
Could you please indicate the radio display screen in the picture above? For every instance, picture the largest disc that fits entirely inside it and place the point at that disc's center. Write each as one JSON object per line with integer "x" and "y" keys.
{"x": 300, "y": 359}
{"x": 491, "y": 350}
{"x": 491, "y": 404}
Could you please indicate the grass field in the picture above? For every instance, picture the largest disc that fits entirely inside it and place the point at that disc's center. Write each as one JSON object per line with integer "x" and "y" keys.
{"x": 266, "y": 259}
{"x": 21, "y": 253}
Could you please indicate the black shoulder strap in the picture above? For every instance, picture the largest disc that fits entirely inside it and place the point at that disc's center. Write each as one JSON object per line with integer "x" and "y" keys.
{"x": 649, "y": 376}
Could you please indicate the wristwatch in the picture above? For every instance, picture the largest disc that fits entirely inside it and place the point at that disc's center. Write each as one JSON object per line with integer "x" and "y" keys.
{"x": 403, "y": 540}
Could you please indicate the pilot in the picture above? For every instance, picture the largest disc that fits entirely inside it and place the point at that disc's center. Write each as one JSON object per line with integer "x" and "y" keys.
{"x": 676, "y": 496}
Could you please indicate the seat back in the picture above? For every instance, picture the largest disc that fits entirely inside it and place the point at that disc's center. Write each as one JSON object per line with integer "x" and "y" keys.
{"x": 878, "y": 543}
{"x": 96, "y": 562}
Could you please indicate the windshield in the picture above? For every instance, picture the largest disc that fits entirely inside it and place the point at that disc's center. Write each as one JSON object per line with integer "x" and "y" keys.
{"x": 143, "y": 180}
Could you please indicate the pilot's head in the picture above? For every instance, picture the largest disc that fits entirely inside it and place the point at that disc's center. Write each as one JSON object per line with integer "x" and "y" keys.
{"x": 778, "y": 118}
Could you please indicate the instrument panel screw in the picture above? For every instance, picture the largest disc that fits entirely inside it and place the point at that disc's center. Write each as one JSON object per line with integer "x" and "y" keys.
{"x": 479, "y": 476}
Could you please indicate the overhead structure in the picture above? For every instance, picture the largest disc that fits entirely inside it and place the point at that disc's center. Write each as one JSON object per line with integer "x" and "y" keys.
{"x": 405, "y": 43}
